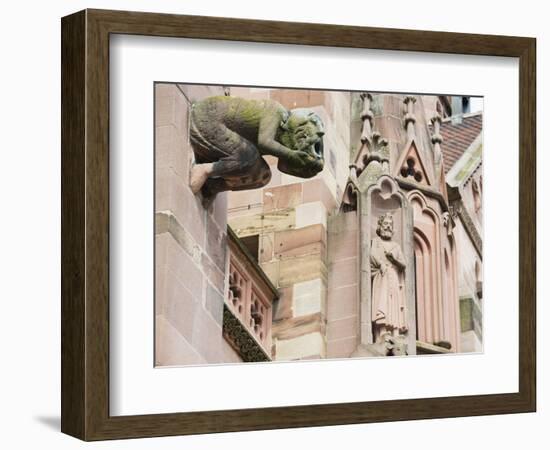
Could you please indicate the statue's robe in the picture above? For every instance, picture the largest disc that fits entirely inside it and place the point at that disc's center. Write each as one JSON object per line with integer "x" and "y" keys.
{"x": 388, "y": 288}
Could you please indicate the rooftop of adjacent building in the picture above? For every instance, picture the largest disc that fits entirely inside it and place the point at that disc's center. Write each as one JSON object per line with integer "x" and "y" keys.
{"x": 458, "y": 133}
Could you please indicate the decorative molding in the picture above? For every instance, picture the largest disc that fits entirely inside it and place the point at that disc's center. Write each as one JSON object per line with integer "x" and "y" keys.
{"x": 367, "y": 117}
{"x": 375, "y": 162}
{"x": 425, "y": 348}
{"x": 426, "y": 190}
{"x": 458, "y": 210}
{"x": 437, "y": 139}
{"x": 409, "y": 118}
{"x": 240, "y": 339}
{"x": 467, "y": 164}
{"x": 411, "y": 165}
{"x": 350, "y": 197}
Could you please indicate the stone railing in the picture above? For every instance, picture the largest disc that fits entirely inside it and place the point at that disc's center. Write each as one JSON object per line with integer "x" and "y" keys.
{"x": 248, "y": 304}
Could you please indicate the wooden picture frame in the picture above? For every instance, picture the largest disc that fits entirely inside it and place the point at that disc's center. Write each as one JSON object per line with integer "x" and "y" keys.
{"x": 85, "y": 224}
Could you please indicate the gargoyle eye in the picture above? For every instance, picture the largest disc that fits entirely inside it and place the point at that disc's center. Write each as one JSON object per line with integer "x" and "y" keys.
{"x": 320, "y": 133}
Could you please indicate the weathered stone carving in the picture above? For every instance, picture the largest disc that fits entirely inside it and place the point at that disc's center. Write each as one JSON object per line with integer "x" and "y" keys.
{"x": 376, "y": 161}
{"x": 385, "y": 223}
{"x": 389, "y": 312}
{"x": 240, "y": 339}
{"x": 229, "y": 136}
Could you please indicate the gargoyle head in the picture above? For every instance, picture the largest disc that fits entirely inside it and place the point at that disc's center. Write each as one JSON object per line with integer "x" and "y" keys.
{"x": 303, "y": 131}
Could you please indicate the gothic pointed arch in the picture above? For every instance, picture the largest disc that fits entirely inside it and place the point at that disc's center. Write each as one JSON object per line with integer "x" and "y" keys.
{"x": 429, "y": 277}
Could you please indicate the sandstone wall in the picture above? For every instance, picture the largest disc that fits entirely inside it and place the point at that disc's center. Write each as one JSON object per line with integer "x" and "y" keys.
{"x": 290, "y": 217}
{"x": 190, "y": 243}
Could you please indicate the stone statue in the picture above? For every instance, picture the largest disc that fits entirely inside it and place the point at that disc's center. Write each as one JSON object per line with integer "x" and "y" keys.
{"x": 387, "y": 263}
{"x": 229, "y": 136}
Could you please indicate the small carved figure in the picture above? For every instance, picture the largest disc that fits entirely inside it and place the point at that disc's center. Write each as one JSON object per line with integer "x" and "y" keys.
{"x": 388, "y": 345}
{"x": 229, "y": 136}
{"x": 387, "y": 273}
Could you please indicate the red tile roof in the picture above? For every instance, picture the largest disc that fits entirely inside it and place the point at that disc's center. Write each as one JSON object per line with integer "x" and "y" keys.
{"x": 457, "y": 138}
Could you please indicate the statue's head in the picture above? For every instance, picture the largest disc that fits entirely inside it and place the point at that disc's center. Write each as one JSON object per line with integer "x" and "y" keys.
{"x": 303, "y": 130}
{"x": 385, "y": 226}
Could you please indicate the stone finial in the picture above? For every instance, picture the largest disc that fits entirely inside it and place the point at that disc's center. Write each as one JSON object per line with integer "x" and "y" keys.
{"x": 437, "y": 139}
{"x": 409, "y": 117}
{"x": 367, "y": 117}
{"x": 436, "y": 136}
{"x": 379, "y": 150}
{"x": 353, "y": 172}
{"x": 376, "y": 161}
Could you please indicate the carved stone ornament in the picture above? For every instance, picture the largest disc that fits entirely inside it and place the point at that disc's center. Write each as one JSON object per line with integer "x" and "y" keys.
{"x": 376, "y": 161}
{"x": 240, "y": 339}
{"x": 389, "y": 308}
{"x": 458, "y": 210}
{"x": 229, "y": 136}
{"x": 386, "y": 271}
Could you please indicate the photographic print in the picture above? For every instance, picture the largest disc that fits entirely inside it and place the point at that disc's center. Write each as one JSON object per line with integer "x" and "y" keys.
{"x": 301, "y": 224}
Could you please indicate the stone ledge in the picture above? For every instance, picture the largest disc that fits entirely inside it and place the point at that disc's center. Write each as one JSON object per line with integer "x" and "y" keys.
{"x": 423, "y": 348}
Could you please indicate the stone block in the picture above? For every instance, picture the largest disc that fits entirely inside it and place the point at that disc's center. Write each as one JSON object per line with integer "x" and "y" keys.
{"x": 272, "y": 270}
{"x": 214, "y": 303}
{"x": 250, "y": 93}
{"x": 171, "y": 151}
{"x": 266, "y": 247}
{"x": 160, "y": 288}
{"x": 165, "y": 99}
{"x": 316, "y": 190}
{"x": 302, "y": 268}
{"x": 196, "y": 92}
{"x": 166, "y": 223}
{"x": 298, "y": 98}
{"x": 165, "y": 90}
{"x": 219, "y": 210}
{"x": 343, "y": 245}
{"x": 343, "y": 273}
{"x": 184, "y": 267}
{"x": 171, "y": 107}
{"x": 308, "y": 297}
{"x": 470, "y": 343}
{"x": 216, "y": 243}
{"x": 244, "y": 200}
{"x": 262, "y": 223}
{"x": 298, "y": 241}
{"x": 282, "y": 307}
{"x": 342, "y": 348}
{"x": 311, "y": 214}
{"x": 343, "y": 328}
{"x": 173, "y": 194}
{"x": 302, "y": 347}
{"x": 298, "y": 326}
{"x": 212, "y": 273}
{"x": 207, "y": 336}
{"x": 161, "y": 242}
{"x": 282, "y": 197}
{"x": 317, "y": 248}
{"x": 180, "y": 306}
{"x": 342, "y": 302}
{"x": 171, "y": 348}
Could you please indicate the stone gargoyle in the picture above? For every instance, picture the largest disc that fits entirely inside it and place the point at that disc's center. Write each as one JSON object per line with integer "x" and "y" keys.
{"x": 229, "y": 136}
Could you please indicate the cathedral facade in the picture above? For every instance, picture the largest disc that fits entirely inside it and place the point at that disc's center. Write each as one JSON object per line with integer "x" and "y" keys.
{"x": 378, "y": 254}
